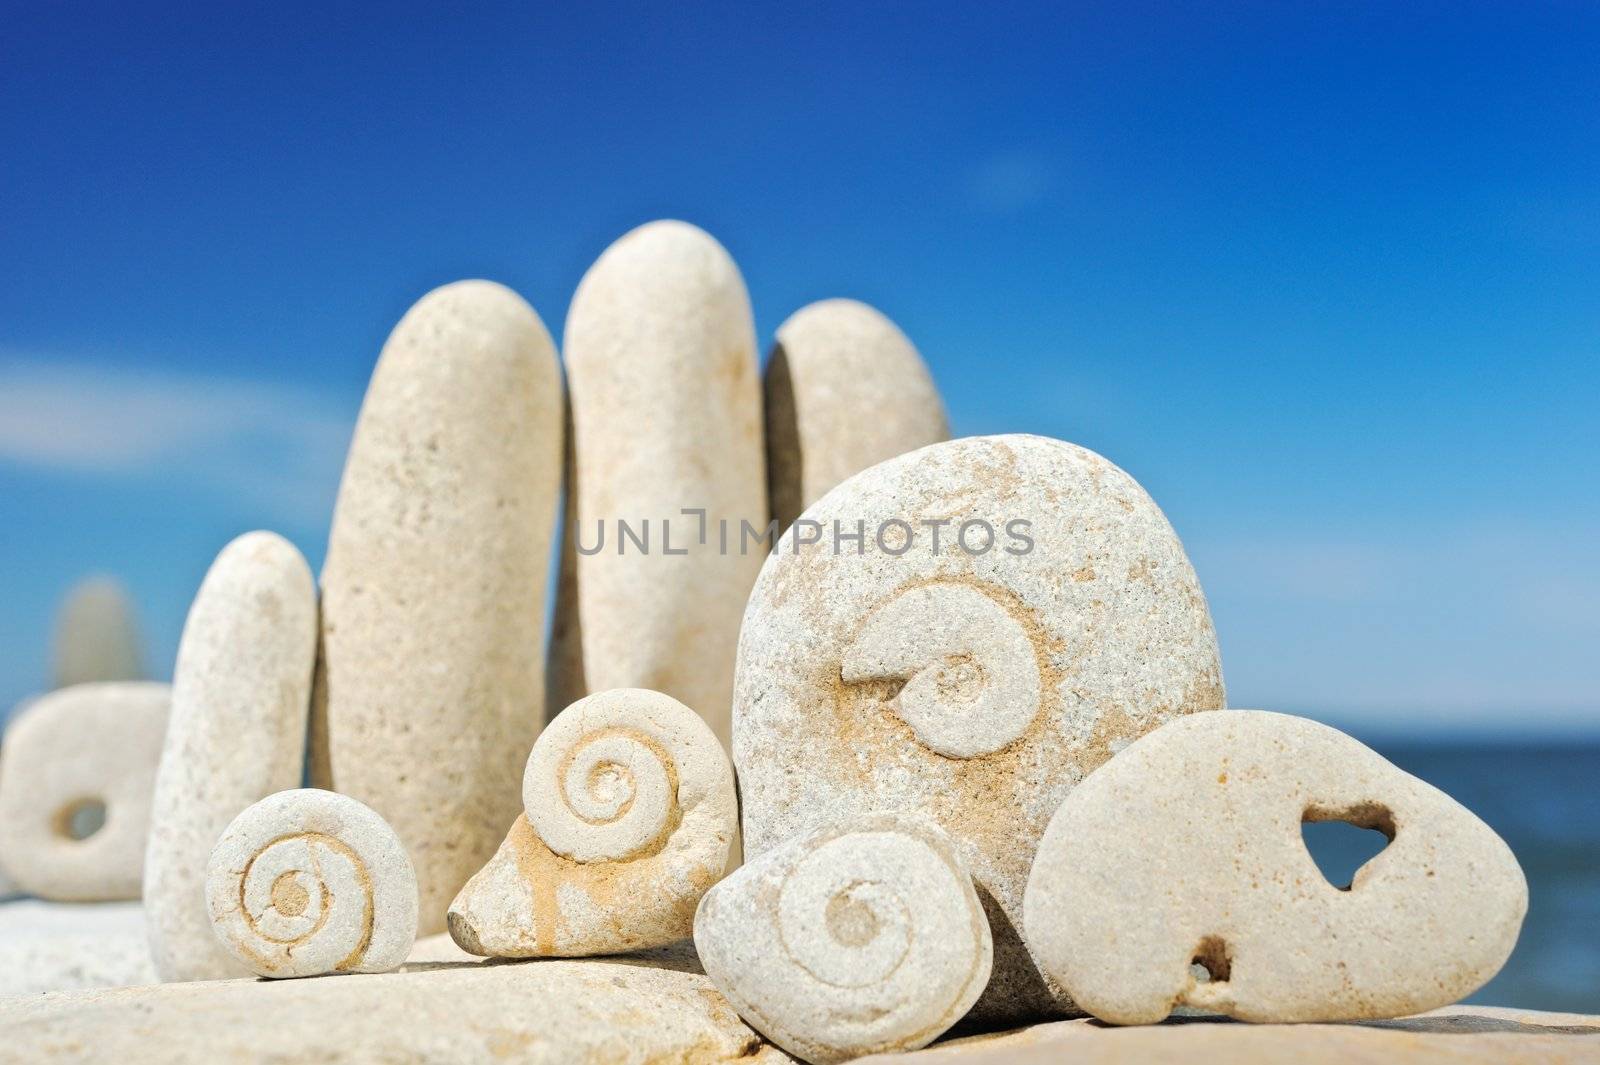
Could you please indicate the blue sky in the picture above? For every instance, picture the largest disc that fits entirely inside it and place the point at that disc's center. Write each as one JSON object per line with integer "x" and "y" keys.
{"x": 1325, "y": 278}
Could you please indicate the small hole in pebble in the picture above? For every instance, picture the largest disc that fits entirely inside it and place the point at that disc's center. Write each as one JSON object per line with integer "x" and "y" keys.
{"x": 1341, "y": 841}
{"x": 81, "y": 819}
{"x": 1211, "y": 958}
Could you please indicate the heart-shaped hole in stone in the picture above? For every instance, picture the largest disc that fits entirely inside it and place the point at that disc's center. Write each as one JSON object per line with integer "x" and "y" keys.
{"x": 80, "y": 819}
{"x": 1342, "y": 840}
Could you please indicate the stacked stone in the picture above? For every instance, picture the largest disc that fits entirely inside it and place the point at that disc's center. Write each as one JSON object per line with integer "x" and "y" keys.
{"x": 973, "y": 694}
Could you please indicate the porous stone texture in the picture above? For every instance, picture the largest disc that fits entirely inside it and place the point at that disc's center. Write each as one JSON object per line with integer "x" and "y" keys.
{"x": 1464, "y": 1035}
{"x": 96, "y": 638}
{"x": 845, "y": 390}
{"x": 617, "y": 1011}
{"x": 848, "y": 941}
{"x": 564, "y": 678}
{"x": 666, "y": 411}
{"x": 431, "y": 686}
{"x": 240, "y": 695}
{"x": 66, "y": 946}
{"x": 978, "y": 687}
{"x": 1177, "y": 875}
{"x": 308, "y": 882}
{"x": 630, "y": 812}
{"x": 67, "y": 756}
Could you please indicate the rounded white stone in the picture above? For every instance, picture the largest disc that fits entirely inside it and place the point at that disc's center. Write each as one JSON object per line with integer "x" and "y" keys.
{"x": 431, "y": 686}
{"x": 309, "y": 882}
{"x": 96, "y": 638}
{"x": 666, "y": 411}
{"x": 849, "y": 942}
{"x": 845, "y": 390}
{"x": 71, "y": 759}
{"x": 976, "y": 685}
{"x": 630, "y": 813}
{"x": 1177, "y": 875}
{"x": 241, "y": 693}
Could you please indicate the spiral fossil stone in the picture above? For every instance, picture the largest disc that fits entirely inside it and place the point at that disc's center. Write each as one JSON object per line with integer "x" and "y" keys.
{"x": 850, "y": 941}
{"x": 629, "y": 816}
{"x": 308, "y": 882}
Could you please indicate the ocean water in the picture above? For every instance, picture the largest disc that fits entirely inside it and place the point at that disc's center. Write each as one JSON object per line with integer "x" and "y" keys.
{"x": 1545, "y": 803}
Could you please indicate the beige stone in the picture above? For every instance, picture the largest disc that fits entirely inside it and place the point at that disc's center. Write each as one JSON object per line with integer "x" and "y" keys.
{"x": 978, "y": 687}
{"x": 241, "y": 692}
{"x": 666, "y": 410}
{"x": 1463, "y": 1035}
{"x": 65, "y": 946}
{"x": 431, "y": 686}
{"x": 845, "y": 390}
{"x": 96, "y": 636}
{"x": 1177, "y": 875}
{"x": 308, "y": 882}
{"x": 76, "y": 772}
{"x": 618, "y": 1011}
{"x": 565, "y": 682}
{"x": 848, "y": 941}
{"x": 629, "y": 815}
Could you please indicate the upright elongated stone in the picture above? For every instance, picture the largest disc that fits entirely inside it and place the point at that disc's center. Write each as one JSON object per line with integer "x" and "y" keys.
{"x": 1218, "y": 904}
{"x": 975, "y": 678}
{"x": 845, "y": 390}
{"x": 666, "y": 410}
{"x": 241, "y": 692}
{"x": 76, "y": 772}
{"x": 431, "y": 684}
{"x": 96, "y": 636}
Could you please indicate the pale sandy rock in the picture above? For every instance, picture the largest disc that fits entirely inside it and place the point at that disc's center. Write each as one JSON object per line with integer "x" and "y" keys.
{"x": 67, "y": 946}
{"x": 96, "y": 637}
{"x": 241, "y": 692}
{"x": 1460, "y": 1035}
{"x": 564, "y": 679}
{"x": 430, "y": 950}
{"x": 630, "y": 812}
{"x": 618, "y": 1011}
{"x": 1183, "y": 856}
{"x": 64, "y": 946}
{"x": 977, "y": 686}
{"x": 666, "y": 410}
{"x": 844, "y": 390}
{"x": 431, "y": 688}
{"x": 308, "y": 882}
{"x": 849, "y": 941}
{"x": 76, "y": 772}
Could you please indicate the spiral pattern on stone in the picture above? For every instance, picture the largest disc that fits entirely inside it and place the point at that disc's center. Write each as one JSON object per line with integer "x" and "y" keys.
{"x": 307, "y": 900}
{"x": 971, "y": 672}
{"x": 600, "y": 792}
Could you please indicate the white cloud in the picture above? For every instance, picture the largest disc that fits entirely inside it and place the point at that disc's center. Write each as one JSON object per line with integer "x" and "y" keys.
{"x": 265, "y": 443}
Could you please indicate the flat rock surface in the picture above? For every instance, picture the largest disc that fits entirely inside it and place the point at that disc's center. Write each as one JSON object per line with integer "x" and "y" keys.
{"x": 1456, "y": 1035}
{"x": 66, "y": 946}
{"x": 620, "y": 1010}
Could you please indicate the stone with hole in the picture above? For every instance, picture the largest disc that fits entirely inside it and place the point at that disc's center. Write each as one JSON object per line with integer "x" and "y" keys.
{"x": 629, "y": 815}
{"x": 660, "y": 352}
{"x": 76, "y": 772}
{"x": 240, "y": 695}
{"x": 307, "y": 882}
{"x": 1176, "y": 875}
{"x": 850, "y": 941}
{"x": 845, "y": 390}
{"x": 977, "y": 677}
{"x": 431, "y": 686}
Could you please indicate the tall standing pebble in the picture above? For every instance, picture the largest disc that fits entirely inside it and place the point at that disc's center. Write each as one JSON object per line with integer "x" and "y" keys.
{"x": 306, "y": 883}
{"x": 96, "y": 637}
{"x": 1013, "y": 611}
{"x": 76, "y": 772}
{"x": 849, "y": 941}
{"x": 431, "y": 684}
{"x": 1177, "y": 875}
{"x": 666, "y": 409}
{"x": 241, "y": 692}
{"x": 845, "y": 390}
